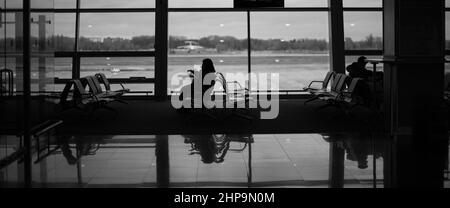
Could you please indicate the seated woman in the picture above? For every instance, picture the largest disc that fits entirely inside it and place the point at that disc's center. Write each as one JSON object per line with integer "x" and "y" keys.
{"x": 207, "y": 69}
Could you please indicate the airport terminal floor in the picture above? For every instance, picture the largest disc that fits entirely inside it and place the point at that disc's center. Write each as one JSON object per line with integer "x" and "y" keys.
{"x": 217, "y": 160}
{"x": 158, "y": 147}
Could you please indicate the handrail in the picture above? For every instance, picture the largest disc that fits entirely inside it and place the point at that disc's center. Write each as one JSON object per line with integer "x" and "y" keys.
{"x": 51, "y": 125}
{"x": 43, "y": 128}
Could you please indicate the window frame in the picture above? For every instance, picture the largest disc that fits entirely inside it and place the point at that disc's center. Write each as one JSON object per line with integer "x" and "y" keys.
{"x": 76, "y": 54}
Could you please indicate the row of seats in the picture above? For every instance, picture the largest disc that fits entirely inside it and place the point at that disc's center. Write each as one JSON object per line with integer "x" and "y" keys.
{"x": 87, "y": 93}
{"x": 345, "y": 92}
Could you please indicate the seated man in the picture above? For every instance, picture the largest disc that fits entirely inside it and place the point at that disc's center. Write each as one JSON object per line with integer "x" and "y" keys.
{"x": 358, "y": 69}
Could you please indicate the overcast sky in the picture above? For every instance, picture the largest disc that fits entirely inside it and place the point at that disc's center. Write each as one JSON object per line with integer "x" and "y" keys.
{"x": 283, "y": 25}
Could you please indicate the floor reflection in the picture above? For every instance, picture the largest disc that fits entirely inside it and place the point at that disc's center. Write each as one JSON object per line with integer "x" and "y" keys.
{"x": 298, "y": 160}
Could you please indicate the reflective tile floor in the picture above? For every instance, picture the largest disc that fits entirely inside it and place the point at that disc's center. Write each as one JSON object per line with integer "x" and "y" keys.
{"x": 193, "y": 161}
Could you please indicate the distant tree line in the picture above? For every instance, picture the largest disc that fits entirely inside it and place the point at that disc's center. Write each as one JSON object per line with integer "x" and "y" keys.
{"x": 370, "y": 42}
{"x": 219, "y": 43}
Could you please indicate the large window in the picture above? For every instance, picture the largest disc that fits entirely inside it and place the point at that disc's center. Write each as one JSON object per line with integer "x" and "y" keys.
{"x": 363, "y": 3}
{"x": 283, "y": 42}
{"x": 363, "y": 30}
{"x": 118, "y": 38}
{"x": 117, "y": 4}
{"x": 117, "y": 31}
{"x": 295, "y": 47}
{"x": 195, "y": 36}
{"x": 113, "y": 37}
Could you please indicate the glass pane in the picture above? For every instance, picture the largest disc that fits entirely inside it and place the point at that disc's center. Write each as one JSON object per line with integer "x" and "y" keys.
{"x": 64, "y": 32}
{"x": 363, "y": 30}
{"x": 117, "y": 31}
{"x": 363, "y": 3}
{"x": 201, "y": 4}
{"x": 350, "y": 59}
{"x": 12, "y": 4}
{"x": 306, "y": 3}
{"x": 42, "y": 51}
{"x": 42, "y": 4}
{"x": 120, "y": 67}
{"x": 10, "y": 44}
{"x": 70, "y": 4}
{"x": 63, "y": 68}
{"x": 195, "y": 36}
{"x": 295, "y": 47}
{"x": 117, "y": 4}
{"x": 13, "y": 40}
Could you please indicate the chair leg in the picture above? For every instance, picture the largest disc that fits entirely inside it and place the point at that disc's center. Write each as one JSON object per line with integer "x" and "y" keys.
{"x": 311, "y": 99}
{"x": 121, "y": 101}
{"x": 329, "y": 105}
{"x": 109, "y": 108}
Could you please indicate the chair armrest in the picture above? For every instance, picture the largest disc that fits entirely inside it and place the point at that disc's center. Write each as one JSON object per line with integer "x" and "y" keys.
{"x": 90, "y": 95}
{"x": 123, "y": 87}
{"x": 310, "y": 84}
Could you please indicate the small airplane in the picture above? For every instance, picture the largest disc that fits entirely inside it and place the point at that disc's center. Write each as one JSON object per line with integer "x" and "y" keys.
{"x": 115, "y": 70}
{"x": 191, "y": 46}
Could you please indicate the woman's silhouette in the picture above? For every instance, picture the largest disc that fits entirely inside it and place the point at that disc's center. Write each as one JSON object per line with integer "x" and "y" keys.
{"x": 207, "y": 69}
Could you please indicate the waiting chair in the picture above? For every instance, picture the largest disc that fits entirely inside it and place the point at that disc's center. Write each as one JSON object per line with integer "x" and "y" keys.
{"x": 337, "y": 85}
{"x": 96, "y": 88}
{"x": 6, "y": 83}
{"x": 328, "y": 78}
{"x": 84, "y": 99}
{"x": 239, "y": 96}
{"x": 235, "y": 98}
{"x": 346, "y": 99}
{"x": 102, "y": 79}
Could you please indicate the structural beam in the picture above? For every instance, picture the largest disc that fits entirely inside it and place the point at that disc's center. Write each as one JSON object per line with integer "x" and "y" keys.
{"x": 162, "y": 161}
{"x": 414, "y": 41}
{"x": 27, "y": 92}
{"x": 161, "y": 45}
{"x": 336, "y": 31}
